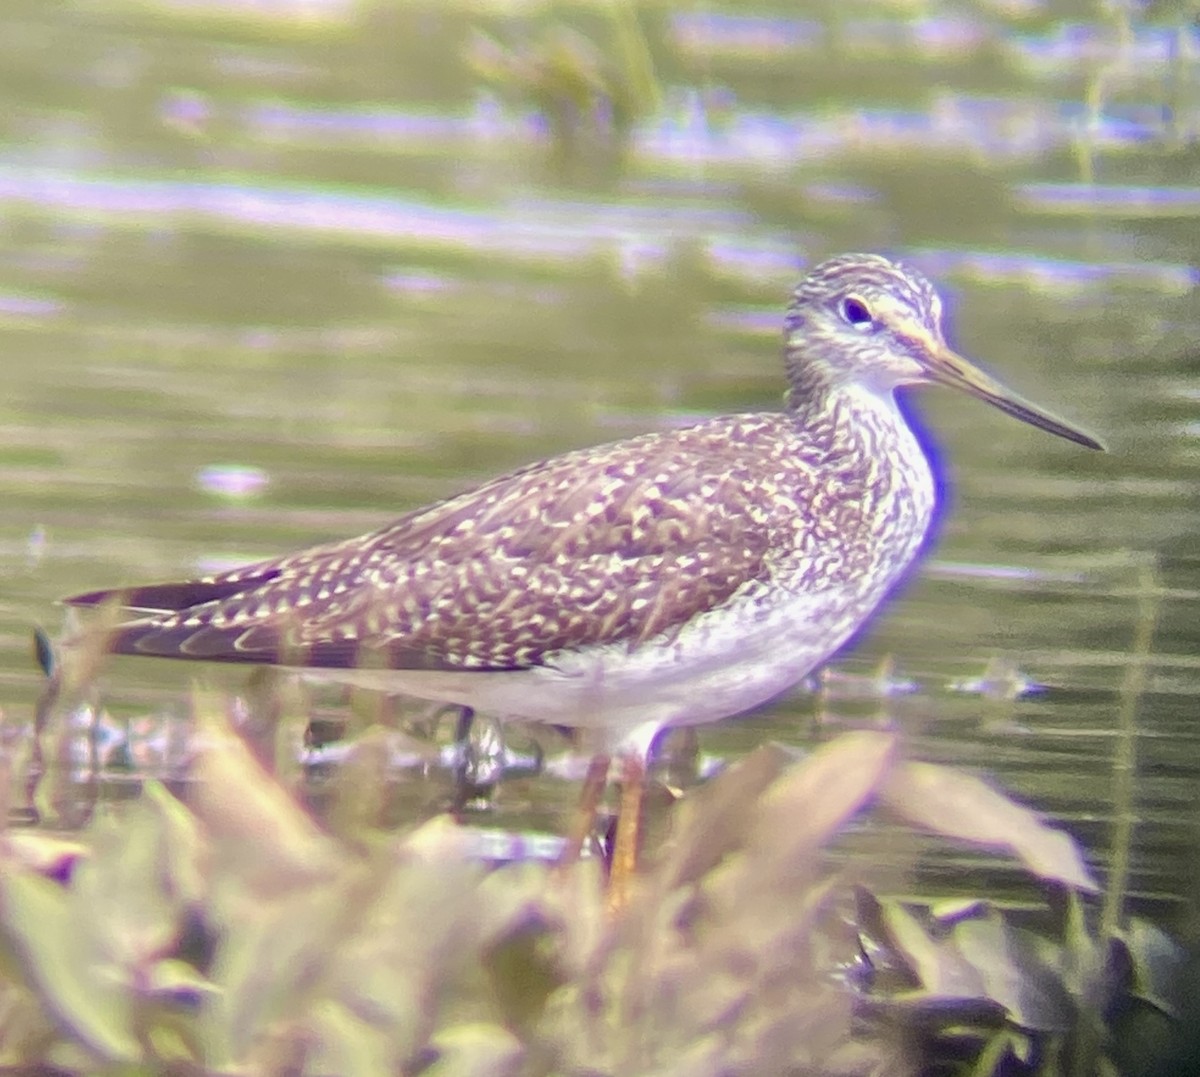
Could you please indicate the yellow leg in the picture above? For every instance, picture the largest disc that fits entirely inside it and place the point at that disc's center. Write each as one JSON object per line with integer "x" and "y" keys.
{"x": 629, "y": 831}
{"x": 585, "y": 815}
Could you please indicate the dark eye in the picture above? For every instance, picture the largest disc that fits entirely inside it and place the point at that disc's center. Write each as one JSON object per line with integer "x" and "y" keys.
{"x": 855, "y": 311}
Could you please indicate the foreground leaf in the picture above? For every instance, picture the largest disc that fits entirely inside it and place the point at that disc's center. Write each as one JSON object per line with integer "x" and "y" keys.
{"x": 1014, "y": 975}
{"x": 475, "y": 1050}
{"x": 38, "y": 928}
{"x": 938, "y": 965}
{"x": 259, "y": 832}
{"x": 129, "y": 896}
{"x": 958, "y": 805}
{"x": 1159, "y": 966}
{"x": 715, "y": 818}
{"x": 810, "y": 803}
{"x": 272, "y": 961}
{"x": 344, "y": 1045}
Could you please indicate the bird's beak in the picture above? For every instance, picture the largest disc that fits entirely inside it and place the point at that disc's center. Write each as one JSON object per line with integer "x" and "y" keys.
{"x": 949, "y": 368}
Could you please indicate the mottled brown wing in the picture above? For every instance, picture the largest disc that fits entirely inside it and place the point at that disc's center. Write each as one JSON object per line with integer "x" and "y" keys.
{"x": 613, "y": 545}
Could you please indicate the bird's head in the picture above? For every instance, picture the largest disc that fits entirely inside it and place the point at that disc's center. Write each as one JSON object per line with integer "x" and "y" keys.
{"x": 862, "y": 319}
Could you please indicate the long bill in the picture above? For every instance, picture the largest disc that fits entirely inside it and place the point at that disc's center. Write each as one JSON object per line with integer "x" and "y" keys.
{"x": 949, "y": 368}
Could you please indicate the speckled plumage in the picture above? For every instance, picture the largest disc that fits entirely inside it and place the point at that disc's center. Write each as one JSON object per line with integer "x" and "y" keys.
{"x": 676, "y": 577}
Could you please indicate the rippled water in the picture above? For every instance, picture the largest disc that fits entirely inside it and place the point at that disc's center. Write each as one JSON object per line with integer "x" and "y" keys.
{"x": 264, "y": 284}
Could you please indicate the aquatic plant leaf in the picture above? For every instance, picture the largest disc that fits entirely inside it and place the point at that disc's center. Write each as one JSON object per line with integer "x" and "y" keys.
{"x": 907, "y": 939}
{"x": 26, "y": 1025}
{"x": 880, "y": 964}
{"x": 1014, "y": 975}
{"x": 512, "y": 898}
{"x": 716, "y": 818}
{"x": 523, "y": 974}
{"x": 806, "y": 807}
{"x": 940, "y": 968}
{"x": 1003, "y": 1044}
{"x": 47, "y": 854}
{"x": 129, "y": 895}
{"x": 39, "y": 928}
{"x": 1159, "y": 965}
{"x": 344, "y": 1045}
{"x": 1080, "y": 954}
{"x": 726, "y": 973}
{"x": 411, "y": 937}
{"x": 272, "y": 955}
{"x": 864, "y": 1058}
{"x": 958, "y": 805}
{"x": 947, "y": 911}
{"x": 259, "y": 833}
{"x": 916, "y": 1011}
{"x": 574, "y": 900}
{"x": 183, "y": 851}
{"x": 178, "y": 984}
{"x": 475, "y": 1050}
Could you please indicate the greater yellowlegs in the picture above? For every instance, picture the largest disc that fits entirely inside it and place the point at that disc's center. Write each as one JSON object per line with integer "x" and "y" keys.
{"x": 671, "y": 579}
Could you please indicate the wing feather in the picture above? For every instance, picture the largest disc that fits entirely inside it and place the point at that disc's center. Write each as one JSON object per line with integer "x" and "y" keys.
{"x": 615, "y": 545}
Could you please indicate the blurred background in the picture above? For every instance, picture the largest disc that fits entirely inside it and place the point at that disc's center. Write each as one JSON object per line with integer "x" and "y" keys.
{"x": 274, "y": 272}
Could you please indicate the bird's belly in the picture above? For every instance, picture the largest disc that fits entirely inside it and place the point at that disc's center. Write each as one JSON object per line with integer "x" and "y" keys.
{"x": 726, "y": 662}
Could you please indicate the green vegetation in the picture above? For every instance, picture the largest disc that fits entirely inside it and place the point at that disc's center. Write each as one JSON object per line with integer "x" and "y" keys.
{"x": 224, "y": 930}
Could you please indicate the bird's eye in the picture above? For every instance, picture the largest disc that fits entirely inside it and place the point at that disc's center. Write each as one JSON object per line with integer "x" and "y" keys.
{"x": 856, "y": 312}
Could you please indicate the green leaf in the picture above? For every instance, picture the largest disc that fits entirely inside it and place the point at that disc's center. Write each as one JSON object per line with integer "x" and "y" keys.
{"x": 259, "y": 833}
{"x": 475, "y": 1050}
{"x": 412, "y": 937}
{"x": 182, "y": 849}
{"x": 957, "y": 805}
{"x": 998, "y": 1049}
{"x": 344, "y": 1045}
{"x": 940, "y": 967}
{"x": 1014, "y": 975}
{"x": 714, "y": 820}
{"x": 1159, "y": 966}
{"x": 523, "y": 973}
{"x": 272, "y": 957}
{"x": 123, "y": 897}
{"x": 47, "y": 854}
{"x": 38, "y": 925}
{"x": 178, "y": 984}
{"x": 810, "y": 803}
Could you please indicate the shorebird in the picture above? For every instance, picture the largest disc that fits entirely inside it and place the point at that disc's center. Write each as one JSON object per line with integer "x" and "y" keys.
{"x": 670, "y": 579}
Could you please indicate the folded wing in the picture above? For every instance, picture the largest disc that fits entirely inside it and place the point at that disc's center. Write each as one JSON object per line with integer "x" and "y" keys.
{"x": 610, "y": 546}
